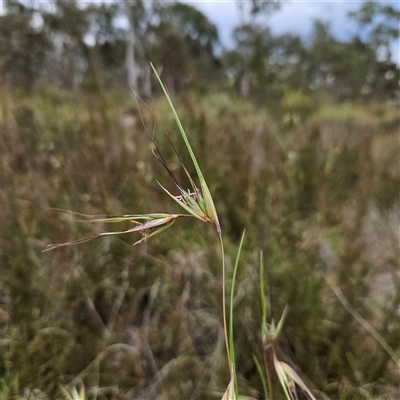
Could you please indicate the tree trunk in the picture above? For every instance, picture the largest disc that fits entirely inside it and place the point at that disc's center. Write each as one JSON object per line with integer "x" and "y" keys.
{"x": 245, "y": 85}
{"x": 130, "y": 49}
{"x": 147, "y": 82}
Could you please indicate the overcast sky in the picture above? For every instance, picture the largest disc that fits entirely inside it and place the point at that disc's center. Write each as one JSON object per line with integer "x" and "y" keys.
{"x": 295, "y": 16}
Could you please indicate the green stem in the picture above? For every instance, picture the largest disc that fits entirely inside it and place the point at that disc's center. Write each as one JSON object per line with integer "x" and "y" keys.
{"x": 269, "y": 380}
{"x": 224, "y": 303}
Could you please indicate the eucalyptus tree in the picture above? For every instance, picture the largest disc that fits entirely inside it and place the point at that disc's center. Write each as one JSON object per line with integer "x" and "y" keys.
{"x": 138, "y": 14}
{"x": 24, "y": 46}
{"x": 183, "y": 44}
{"x": 249, "y": 10}
{"x": 343, "y": 68}
{"x": 379, "y": 30}
{"x": 68, "y": 25}
{"x": 107, "y": 42}
{"x": 291, "y": 61}
{"x": 361, "y": 67}
{"x": 248, "y": 65}
{"x": 378, "y": 25}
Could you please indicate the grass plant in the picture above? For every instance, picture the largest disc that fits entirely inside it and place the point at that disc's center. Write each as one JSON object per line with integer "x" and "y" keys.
{"x": 270, "y": 333}
{"x": 198, "y": 204}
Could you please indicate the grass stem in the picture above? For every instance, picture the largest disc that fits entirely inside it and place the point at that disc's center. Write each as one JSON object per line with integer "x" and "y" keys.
{"x": 224, "y": 302}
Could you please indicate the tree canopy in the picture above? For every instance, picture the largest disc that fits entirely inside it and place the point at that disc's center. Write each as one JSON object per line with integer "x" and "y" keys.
{"x": 74, "y": 40}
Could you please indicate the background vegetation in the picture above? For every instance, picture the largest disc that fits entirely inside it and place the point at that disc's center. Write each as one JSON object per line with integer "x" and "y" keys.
{"x": 299, "y": 144}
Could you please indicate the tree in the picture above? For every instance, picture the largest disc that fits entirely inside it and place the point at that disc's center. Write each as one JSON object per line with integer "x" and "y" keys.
{"x": 343, "y": 68}
{"x": 24, "y": 47}
{"x": 137, "y": 64}
{"x": 379, "y": 29}
{"x": 360, "y": 67}
{"x": 249, "y": 64}
{"x": 378, "y": 26}
{"x": 109, "y": 48}
{"x": 130, "y": 46}
{"x": 250, "y": 10}
{"x": 184, "y": 41}
{"x": 69, "y": 24}
{"x": 291, "y": 61}
{"x": 253, "y": 46}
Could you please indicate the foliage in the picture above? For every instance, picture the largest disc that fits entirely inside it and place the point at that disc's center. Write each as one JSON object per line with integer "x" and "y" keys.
{"x": 184, "y": 45}
{"x": 76, "y": 46}
{"x": 23, "y": 48}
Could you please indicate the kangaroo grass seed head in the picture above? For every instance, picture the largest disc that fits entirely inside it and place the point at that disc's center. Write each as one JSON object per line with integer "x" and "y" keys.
{"x": 147, "y": 224}
{"x": 289, "y": 378}
{"x": 198, "y": 203}
{"x": 202, "y": 205}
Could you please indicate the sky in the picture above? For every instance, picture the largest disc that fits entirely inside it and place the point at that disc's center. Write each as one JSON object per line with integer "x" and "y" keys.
{"x": 294, "y": 16}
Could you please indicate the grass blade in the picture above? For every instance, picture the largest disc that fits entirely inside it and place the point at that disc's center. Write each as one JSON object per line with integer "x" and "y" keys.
{"x": 279, "y": 327}
{"x": 261, "y": 373}
{"x": 231, "y": 345}
{"x": 263, "y": 298}
{"x": 178, "y": 122}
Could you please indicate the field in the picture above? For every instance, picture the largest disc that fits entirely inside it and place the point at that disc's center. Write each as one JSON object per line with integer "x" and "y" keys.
{"x": 314, "y": 183}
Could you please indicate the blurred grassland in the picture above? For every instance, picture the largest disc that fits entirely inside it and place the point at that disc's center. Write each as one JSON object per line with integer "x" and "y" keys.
{"x": 315, "y": 184}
